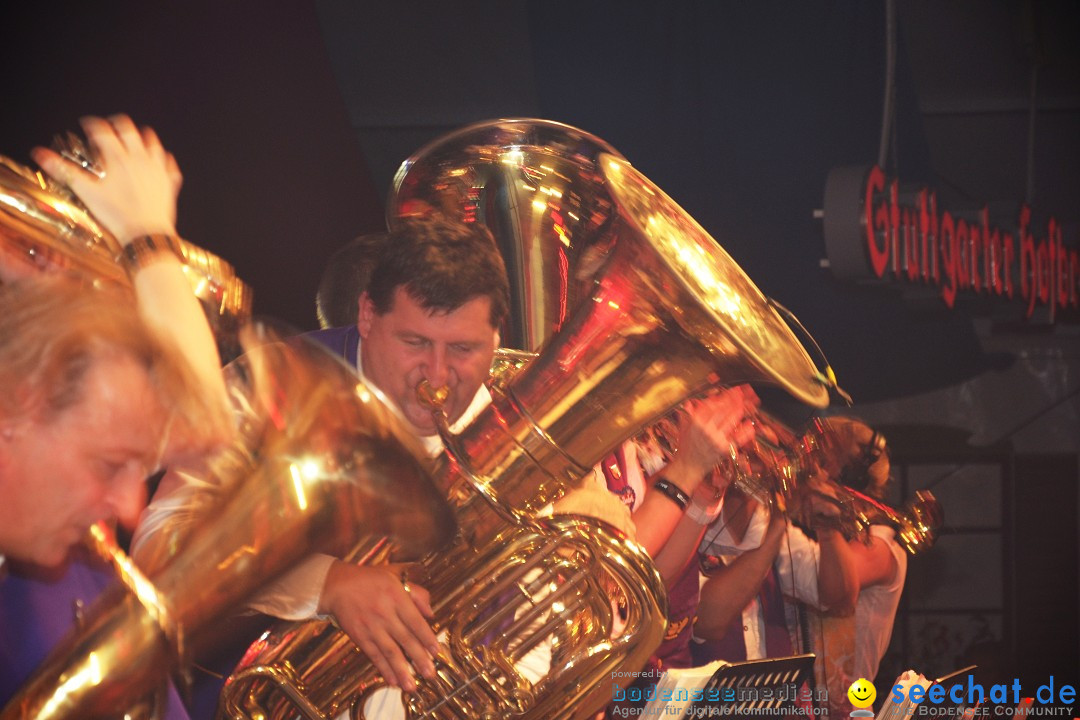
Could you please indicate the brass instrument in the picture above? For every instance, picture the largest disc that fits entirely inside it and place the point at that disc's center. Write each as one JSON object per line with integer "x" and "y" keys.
{"x": 668, "y": 315}
{"x": 536, "y": 185}
{"x": 324, "y": 464}
{"x": 48, "y": 225}
{"x": 787, "y": 460}
{"x": 321, "y": 464}
{"x": 916, "y": 524}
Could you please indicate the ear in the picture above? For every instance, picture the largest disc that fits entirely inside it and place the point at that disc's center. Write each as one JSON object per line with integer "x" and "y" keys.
{"x": 9, "y": 428}
{"x": 365, "y": 314}
{"x": 9, "y": 433}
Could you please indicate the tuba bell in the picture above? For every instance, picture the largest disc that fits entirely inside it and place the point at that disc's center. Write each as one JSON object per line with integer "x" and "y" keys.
{"x": 535, "y": 184}
{"x": 322, "y": 464}
{"x": 668, "y": 313}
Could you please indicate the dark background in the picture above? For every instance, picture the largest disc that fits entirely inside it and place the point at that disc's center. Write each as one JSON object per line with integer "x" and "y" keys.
{"x": 288, "y": 120}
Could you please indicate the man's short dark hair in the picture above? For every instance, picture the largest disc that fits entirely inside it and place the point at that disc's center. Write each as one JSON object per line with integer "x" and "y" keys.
{"x": 442, "y": 265}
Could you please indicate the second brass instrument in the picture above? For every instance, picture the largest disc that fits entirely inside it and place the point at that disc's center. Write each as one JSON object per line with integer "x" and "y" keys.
{"x": 43, "y": 221}
{"x": 324, "y": 463}
{"x": 784, "y": 462}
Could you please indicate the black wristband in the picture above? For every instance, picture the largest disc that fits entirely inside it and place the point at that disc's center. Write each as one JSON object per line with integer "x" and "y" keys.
{"x": 143, "y": 250}
{"x": 672, "y": 491}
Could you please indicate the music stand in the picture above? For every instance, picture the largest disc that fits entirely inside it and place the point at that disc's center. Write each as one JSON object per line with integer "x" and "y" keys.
{"x": 755, "y": 685}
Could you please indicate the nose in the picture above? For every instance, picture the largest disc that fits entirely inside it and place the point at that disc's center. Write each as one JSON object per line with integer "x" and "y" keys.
{"x": 127, "y": 495}
{"x": 436, "y": 371}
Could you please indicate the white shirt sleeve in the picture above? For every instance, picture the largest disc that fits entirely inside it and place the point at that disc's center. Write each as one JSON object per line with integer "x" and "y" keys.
{"x": 797, "y": 567}
{"x": 295, "y": 595}
{"x": 718, "y": 540}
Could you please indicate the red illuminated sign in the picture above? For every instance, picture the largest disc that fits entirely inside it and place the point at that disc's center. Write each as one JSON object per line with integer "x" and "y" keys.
{"x": 891, "y": 235}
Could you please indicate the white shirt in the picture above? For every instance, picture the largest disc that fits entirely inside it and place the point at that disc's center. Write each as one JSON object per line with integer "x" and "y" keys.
{"x": 875, "y": 610}
{"x": 796, "y": 567}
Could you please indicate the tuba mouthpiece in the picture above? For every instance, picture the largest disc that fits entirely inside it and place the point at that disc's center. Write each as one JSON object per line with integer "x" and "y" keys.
{"x": 432, "y": 397}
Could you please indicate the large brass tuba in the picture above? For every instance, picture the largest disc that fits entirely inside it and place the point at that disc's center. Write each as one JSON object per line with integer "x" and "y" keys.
{"x": 668, "y": 314}
{"x": 323, "y": 464}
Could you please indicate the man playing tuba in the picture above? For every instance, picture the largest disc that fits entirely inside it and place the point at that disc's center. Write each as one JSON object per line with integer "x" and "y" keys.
{"x": 432, "y": 312}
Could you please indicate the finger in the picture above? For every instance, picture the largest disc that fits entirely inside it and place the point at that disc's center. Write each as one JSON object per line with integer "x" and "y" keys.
{"x": 416, "y": 626}
{"x": 54, "y": 166}
{"x": 748, "y": 395}
{"x": 744, "y": 433}
{"x": 102, "y": 139}
{"x": 422, "y": 600}
{"x": 382, "y": 664}
{"x": 172, "y": 168}
{"x": 129, "y": 135}
{"x": 151, "y": 142}
{"x": 417, "y": 649}
{"x": 391, "y": 646}
{"x": 64, "y": 171}
{"x": 721, "y": 407}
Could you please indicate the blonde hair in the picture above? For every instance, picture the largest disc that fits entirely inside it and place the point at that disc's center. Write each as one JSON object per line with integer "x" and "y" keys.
{"x": 52, "y": 330}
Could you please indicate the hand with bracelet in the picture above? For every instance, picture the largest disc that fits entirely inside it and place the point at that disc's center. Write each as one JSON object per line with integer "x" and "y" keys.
{"x": 710, "y": 429}
{"x": 708, "y": 498}
{"x": 130, "y": 185}
{"x": 135, "y": 193}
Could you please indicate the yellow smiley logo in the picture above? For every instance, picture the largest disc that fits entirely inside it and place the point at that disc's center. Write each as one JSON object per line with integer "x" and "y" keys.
{"x": 862, "y": 693}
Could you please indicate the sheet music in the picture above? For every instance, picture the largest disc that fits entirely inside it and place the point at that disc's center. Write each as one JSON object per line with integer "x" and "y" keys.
{"x": 901, "y": 711}
{"x": 680, "y": 685}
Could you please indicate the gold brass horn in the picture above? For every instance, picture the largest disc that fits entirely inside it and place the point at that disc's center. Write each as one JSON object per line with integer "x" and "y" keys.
{"x": 323, "y": 464}
{"x": 917, "y": 524}
{"x": 826, "y": 442}
{"x": 44, "y": 222}
{"x": 535, "y": 184}
{"x": 669, "y": 314}
{"x": 787, "y": 464}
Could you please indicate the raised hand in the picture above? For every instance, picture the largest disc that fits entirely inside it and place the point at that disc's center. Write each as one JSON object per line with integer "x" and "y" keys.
{"x": 711, "y": 428}
{"x": 137, "y": 193}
